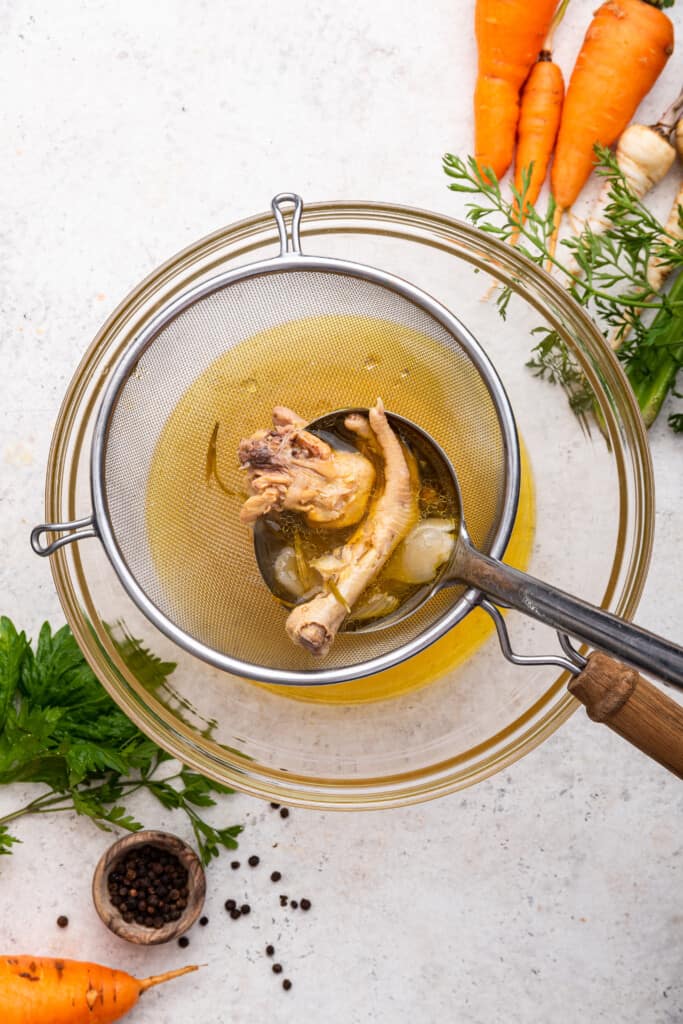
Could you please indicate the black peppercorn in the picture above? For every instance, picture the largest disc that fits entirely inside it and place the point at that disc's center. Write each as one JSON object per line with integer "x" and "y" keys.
{"x": 245, "y": 908}
{"x": 62, "y": 921}
{"x": 149, "y": 886}
{"x": 270, "y": 950}
{"x": 230, "y": 904}
{"x": 253, "y": 861}
{"x": 183, "y": 942}
{"x": 286, "y": 984}
{"x": 305, "y": 904}
{"x": 234, "y": 864}
{"x": 276, "y": 876}
{"x": 203, "y": 921}
{"x": 235, "y": 914}
{"x": 276, "y": 807}
{"x": 284, "y": 813}
{"x": 277, "y": 968}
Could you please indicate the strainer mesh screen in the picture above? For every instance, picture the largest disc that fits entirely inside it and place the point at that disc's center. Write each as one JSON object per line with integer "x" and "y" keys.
{"x": 312, "y": 340}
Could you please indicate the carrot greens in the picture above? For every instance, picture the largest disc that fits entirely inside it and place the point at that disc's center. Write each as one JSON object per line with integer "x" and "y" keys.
{"x": 60, "y": 728}
{"x": 606, "y": 273}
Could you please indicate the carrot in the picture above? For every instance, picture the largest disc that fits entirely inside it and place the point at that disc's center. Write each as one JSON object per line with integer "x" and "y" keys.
{"x": 509, "y": 36}
{"x": 539, "y": 117}
{"x": 625, "y": 48}
{"x": 42, "y": 990}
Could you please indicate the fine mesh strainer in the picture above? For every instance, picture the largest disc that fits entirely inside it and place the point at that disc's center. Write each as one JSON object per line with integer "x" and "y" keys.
{"x": 324, "y": 311}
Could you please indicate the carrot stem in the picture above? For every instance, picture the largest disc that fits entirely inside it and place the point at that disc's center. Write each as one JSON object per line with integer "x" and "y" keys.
{"x": 159, "y": 979}
{"x": 552, "y": 244}
{"x": 557, "y": 18}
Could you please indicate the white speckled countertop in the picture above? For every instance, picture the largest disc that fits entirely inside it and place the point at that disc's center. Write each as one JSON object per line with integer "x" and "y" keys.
{"x": 552, "y": 892}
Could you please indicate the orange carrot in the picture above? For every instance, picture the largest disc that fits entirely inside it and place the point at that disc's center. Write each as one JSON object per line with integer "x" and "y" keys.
{"x": 539, "y": 116}
{"x": 509, "y": 35}
{"x": 626, "y": 46}
{"x": 41, "y": 990}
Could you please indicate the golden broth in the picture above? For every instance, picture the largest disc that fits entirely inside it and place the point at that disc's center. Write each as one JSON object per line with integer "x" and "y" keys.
{"x": 193, "y": 515}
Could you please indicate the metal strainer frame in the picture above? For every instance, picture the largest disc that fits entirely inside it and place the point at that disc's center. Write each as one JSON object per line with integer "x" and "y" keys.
{"x": 98, "y": 523}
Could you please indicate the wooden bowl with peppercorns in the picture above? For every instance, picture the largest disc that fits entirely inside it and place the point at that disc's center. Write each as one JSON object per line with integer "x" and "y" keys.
{"x": 149, "y": 887}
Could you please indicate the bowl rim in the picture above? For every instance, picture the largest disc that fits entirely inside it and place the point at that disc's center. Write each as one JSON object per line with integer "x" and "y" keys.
{"x": 603, "y": 371}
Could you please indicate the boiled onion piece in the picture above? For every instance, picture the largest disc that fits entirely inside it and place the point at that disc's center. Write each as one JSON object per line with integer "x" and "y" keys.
{"x": 429, "y": 544}
{"x": 285, "y": 572}
{"x": 376, "y": 606}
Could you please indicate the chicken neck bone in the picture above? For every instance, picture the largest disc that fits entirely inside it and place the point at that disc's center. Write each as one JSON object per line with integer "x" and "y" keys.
{"x": 290, "y": 468}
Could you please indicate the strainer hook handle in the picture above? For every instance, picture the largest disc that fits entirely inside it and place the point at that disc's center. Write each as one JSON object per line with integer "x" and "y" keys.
{"x": 79, "y": 529}
{"x": 574, "y": 662}
{"x": 290, "y": 243}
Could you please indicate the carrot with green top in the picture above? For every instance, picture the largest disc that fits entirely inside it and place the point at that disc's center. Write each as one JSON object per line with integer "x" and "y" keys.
{"x": 43, "y": 990}
{"x": 509, "y": 34}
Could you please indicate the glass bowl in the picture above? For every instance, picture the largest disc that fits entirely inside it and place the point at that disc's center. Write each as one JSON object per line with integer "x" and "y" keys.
{"x": 458, "y": 712}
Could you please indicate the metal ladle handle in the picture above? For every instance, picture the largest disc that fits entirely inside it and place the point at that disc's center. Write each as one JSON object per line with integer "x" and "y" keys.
{"x": 562, "y": 611}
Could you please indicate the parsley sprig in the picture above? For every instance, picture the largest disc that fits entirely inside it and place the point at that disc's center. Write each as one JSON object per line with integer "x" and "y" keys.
{"x": 605, "y": 273}
{"x": 59, "y": 727}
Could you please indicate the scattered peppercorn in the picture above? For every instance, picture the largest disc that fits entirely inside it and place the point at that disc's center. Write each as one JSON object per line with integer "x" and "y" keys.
{"x": 62, "y": 921}
{"x": 293, "y": 904}
{"x": 276, "y": 876}
{"x": 283, "y": 901}
{"x": 235, "y": 914}
{"x": 305, "y": 904}
{"x": 284, "y": 813}
{"x": 270, "y": 950}
{"x": 276, "y": 807}
{"x": 234, "y": 864}
{"x": 203, "y": 921}
{"x": 230, "y": 904}
{"x": 245, "y": 908}
{"x": 149, "y": 886}
{"x": 286, "y": 984}
{"x": 254, "y": 861}
{"x": 183, "y": 942}
{"x": 277, "y": 968}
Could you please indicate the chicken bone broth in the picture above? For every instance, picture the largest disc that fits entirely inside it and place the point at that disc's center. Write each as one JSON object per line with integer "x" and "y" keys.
{"x": 305, "y": 487}
{"x": 209, "y": 582}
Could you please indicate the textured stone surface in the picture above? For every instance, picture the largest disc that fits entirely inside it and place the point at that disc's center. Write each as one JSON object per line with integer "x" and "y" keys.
{"x": 551, "y": 892}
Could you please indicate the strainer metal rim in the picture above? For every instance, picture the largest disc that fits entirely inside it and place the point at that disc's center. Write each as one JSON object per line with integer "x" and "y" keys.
{"x": 285, "y": 262}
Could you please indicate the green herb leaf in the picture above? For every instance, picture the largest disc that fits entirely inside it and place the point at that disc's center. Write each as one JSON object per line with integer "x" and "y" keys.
{"x": 605, "y": 273}
{"x": 13, "y": 647}
{"x": 7, "y": 841}
{"x": 59, "y": 727}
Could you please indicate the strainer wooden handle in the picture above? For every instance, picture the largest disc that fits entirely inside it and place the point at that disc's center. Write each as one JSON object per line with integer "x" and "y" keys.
{"x": 620, "y": 698}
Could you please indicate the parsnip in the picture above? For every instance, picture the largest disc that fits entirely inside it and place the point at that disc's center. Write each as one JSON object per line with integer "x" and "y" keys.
{"x": 644, "y": 154}
{"x": 658, "y": 270}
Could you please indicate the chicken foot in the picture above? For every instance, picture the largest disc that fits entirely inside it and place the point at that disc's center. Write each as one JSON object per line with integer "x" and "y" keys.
{"x": 352, "y": 568}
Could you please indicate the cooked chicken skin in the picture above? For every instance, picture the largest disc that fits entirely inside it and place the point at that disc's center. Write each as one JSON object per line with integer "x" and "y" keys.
{"x": 289, "y": 468}
{"x": 352, "y": 567}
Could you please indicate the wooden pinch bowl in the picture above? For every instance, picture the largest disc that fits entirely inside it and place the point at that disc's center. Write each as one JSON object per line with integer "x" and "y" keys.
{"x": 140, "y": 933}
